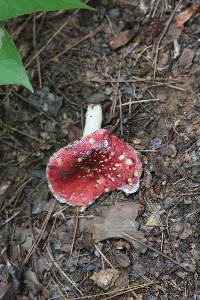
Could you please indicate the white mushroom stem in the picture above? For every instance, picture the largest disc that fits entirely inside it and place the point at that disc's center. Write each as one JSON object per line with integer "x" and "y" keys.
{"x": 93, "y": 119}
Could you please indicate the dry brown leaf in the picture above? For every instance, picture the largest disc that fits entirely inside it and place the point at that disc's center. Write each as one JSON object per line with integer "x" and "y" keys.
{"x": 105, "y": 279}
{"x": 113, "y": 221}
{"x": 121, "y": 245}
{"x": 186, "y": 15}
{"x": 186, "y": 58}
{"x": 121, "y": 38}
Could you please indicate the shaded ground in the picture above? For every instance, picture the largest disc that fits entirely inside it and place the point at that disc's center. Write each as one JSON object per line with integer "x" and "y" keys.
{"x": 44, "y": 253}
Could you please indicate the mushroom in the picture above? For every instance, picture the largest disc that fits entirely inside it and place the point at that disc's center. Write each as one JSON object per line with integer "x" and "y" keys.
{"x": 100, "y": 162}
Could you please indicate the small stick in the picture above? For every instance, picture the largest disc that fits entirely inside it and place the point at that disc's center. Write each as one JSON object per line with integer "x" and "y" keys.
{"x": 63, "y": 273}
{"x": 75, "y": 231}
{"x": 162, "y": 36}
{"x": 156, "y": 251}
{"x": 35, "y": 49}
{"x": 39, "y": 237}
{"x": 105, "y": 258}
{"x": 21, "y": 132}
{"x": 10, "y": 219}
{"x": 139, "y": 101}
{"x": 86, "y": 37}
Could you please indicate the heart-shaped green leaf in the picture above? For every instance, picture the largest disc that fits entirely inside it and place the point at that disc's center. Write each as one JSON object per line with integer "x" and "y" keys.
{"x": 13, "y": 8}
{"x": 11, "y": 68}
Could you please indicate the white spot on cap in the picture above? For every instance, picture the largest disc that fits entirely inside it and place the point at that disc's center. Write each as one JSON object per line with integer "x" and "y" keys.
{"x": 135, "y": 174}
{"x": 112, "y": 179}
{"x": 92, "y": 141}
{"x": 121, "y": 157}
{"x": 129, "y": 180}
{"x": 129, "y": 161}
{"x": 106, "y": 190}
{"x": 79, "y": 159}
{"x": 117, "y": 165}
{"x": 99, "y": 181}
{"x": 105, "y": 143}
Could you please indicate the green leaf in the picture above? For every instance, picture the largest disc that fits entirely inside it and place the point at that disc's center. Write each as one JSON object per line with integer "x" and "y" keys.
{"x": 14, "y": 8}
{"x": 11, "y": 68}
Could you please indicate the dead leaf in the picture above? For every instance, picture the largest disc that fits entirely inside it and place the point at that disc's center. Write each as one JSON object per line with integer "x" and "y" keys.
{"x": 187, "y": 231}
{"x": 74, "y": 133}
{"x": 121, "y": 38}
{"x": 154, "y": 219}
{"x": 172, "y": 34}
{"x": 121, "y": 245}
{"x": 122, "y": 281}
{"x": 154, "y": 28}
{"x": 4, "y": 186}
{"x": 144, "y": 71}
{"x": 7, "y": 289}
{"x": 186, "y": 15}
{"x": 105, "y": 279}
{"x": 186, "y": 58}
{"x": 34, "y": 286}
{"x": 113, "y": 221}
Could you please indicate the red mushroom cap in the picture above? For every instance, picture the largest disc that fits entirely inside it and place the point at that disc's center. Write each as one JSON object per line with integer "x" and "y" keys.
{"x": 99, "y": 163}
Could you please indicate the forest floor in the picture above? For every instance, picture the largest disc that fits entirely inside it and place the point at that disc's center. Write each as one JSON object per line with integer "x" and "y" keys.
{"x": 145, "y": 68}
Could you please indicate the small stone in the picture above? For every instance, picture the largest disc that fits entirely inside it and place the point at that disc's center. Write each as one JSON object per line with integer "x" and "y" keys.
{"x": 136, "y": 141}
{"x": 188, "y": 200}
{"x": 114, "y": 12}
{"x": 152, "y": 297}
{"x": 196, "y": 171}
{"x": 198, "y": 143}
{"x": 108, "y": 91}
{"x": 156, "y": 143}
{"x": 180, "y": 185}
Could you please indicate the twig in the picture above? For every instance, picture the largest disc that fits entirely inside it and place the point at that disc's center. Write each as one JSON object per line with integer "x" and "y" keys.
{"x": 75, "y": 231}
{"x": 162, "y": 36}
{"x": 105, "y": 258}
{"x": 35, "y": 106}
{"x": 63, "y": 273}
{"x": 86, "y": 37}
{"x": 21, "y": 132}
{"x": 139, "y": 101}
{"x": 119, "y": 291}
{"x": 10, "y": 219}
{"x": 156, "y": 251}
{"x": 39, "y": 237}
{"x": 57, "y": 89}
{"x": 35, "y": 49}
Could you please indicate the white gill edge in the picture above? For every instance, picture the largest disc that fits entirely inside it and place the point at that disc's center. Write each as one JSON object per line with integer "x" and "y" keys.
{"x": 130, "y": 189}
{"x": 93, "y": 119}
